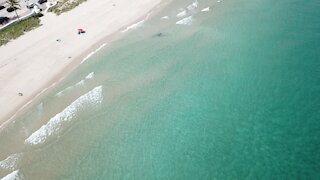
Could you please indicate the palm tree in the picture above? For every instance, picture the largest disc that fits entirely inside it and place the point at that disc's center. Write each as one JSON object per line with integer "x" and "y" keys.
{"x": 15, "y": 5}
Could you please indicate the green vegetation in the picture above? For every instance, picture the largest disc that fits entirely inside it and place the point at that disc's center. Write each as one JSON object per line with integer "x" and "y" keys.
{"x": 65, "y": 5}
{"x": 19, "y": 28}
{"x": 14, "y": 4}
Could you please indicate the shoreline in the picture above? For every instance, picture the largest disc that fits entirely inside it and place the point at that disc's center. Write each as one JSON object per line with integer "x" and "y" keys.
{"x": 82, "y": 54}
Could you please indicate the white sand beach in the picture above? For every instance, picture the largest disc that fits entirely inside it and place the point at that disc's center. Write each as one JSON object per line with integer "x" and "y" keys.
{"x": 36, "y": 60}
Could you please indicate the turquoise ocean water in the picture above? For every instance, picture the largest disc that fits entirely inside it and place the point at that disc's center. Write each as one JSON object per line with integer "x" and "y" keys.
{"x": 232, "y": 94}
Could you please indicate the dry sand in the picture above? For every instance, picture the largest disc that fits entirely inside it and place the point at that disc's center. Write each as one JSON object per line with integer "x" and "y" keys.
{"x": 36, "y": 60}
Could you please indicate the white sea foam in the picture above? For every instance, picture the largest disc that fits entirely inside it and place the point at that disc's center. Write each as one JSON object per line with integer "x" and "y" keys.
{"x": 60, "y": 93}
{"x": 205, "y": 9}
{"x": 80, "y": 83}
{"x": 134, "y": 26}
{"x": 185, "y": 21}
{"x": 90, "y": 75}
{"x": 182, "y": 13}
{"x": 15, "y": 175}
{"x": 91, "y": 99}
{"x": 193, "y": 5}
{"x": 164, "y": 17}
{"x": 10, "y": 163}
{"x": 92, "y": 53}
{"x": 138, "y": 24}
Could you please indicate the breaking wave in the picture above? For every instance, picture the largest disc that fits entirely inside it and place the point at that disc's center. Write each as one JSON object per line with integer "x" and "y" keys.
{"x": 15, "y": 175}
{"x": 185, "y": 21}
{"x": 10, "y": 163}
{"x": 193, "y": 5}
{"x": 90, "y": 75}
{"x": 205, "y": 9}
{"x": 164, "y": 17}
{"x": 134, "y": 26}
{"x": 80, "y": 83}
{"x": 90, "y": 99}
{"x": 182, "y": 13}
{"x": 92, "y": 53}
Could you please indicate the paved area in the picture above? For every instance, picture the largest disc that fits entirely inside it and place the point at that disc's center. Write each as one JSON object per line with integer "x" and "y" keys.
{"x": 23, "y": 8}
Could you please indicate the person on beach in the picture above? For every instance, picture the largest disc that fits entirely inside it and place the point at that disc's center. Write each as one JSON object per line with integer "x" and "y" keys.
{"x": 80, "y": 31}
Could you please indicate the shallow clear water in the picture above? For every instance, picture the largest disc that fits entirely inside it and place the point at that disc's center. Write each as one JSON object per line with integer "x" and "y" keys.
{"x": 234, "y": 95}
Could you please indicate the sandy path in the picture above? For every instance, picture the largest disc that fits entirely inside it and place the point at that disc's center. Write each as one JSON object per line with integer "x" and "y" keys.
{"x": 36, "y": 60}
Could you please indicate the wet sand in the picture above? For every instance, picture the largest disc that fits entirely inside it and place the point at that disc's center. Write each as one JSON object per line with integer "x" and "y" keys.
{"x": 37, "y": 60}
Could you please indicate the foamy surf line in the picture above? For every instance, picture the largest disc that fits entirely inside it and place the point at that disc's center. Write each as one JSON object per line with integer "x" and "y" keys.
{"x": 182, "y": 13}
{"x": 10, "y": 163}
{"x": 15, "y": 175}
{"x": 45, "y": 89}
{"x": 134, "y": 26}
{"x": 89, "y": 76}
{"x": 185, "y": 21}
{"x": 164, "y": 17}
{"x": 137, "y": 25}
{"x": 92, "y": 53}
{"x": 193, "y": 5}
{"x": 91, "y": 99}
{"x": 206, "y": 9}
